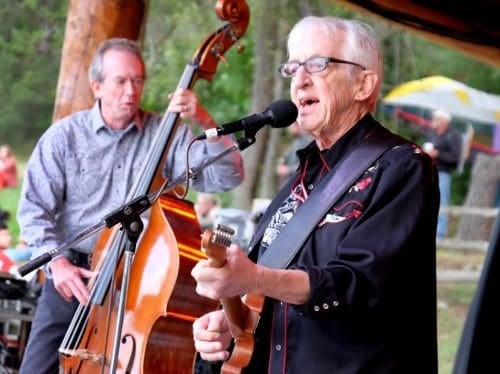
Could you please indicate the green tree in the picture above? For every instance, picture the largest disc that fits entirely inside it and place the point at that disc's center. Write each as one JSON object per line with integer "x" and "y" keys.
{"x": 31, "y": 34}
{"x": 31, "y": 37}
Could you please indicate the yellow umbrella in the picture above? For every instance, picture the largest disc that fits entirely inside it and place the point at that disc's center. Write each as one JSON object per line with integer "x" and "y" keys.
{"x": 455, "y": 97}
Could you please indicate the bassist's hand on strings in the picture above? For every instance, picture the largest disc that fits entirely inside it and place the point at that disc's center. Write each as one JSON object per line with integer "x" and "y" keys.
{"x": 68, "y": 280}
{"x": 212, "y": 336}
{"x": 185, "y": 102}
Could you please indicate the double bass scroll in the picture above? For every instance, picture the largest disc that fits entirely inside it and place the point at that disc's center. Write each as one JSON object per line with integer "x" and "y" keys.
{"x": 211, "y": 51}
{"x": 203, "y": 65}
{"x": 153, "y": 331}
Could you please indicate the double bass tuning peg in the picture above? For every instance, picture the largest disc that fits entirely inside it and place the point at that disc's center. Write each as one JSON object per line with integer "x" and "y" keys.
{"x": 221, "y": 57}
{"x": 240, "y": 48}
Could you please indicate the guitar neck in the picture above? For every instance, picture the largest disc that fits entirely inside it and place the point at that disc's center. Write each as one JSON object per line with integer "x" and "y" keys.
{"x": 215, "y": 244}
{"x": 242, "y": 313}
{"x": 236, "y": 313}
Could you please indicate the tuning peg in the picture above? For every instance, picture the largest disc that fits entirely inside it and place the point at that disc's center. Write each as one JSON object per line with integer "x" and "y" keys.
{"x": 223, "y": 59}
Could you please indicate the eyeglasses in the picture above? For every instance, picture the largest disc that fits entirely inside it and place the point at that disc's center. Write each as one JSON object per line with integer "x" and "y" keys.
{"x": 312, "y": 65}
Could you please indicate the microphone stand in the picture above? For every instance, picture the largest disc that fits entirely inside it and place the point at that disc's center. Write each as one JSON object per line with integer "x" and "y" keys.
{"x": 131, "y": 208}
{"x": 133, "y": 225}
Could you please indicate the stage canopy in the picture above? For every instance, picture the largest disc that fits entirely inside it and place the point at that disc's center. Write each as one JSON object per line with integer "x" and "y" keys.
{"x": 469, "y": 26}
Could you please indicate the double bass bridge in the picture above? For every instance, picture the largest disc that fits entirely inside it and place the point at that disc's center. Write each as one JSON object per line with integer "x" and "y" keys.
{"x": 85, "y": 355}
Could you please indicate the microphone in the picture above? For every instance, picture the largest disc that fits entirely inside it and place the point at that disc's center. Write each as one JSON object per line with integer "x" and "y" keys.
{"x": 281, "y": 113}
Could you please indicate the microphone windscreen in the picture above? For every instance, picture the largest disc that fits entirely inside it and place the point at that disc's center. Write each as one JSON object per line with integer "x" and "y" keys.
{"x": 284, "y": 113}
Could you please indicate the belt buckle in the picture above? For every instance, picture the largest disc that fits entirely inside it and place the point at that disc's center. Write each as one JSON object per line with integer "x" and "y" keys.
{"x": 80, "y": 258}
{"x": 89, "y": 259}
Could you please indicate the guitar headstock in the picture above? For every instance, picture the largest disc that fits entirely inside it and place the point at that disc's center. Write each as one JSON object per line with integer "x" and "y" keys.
{"x": 214, "y": 244}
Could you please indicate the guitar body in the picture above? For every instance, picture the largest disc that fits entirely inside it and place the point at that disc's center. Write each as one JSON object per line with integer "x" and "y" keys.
{"x": 242, "y": 313}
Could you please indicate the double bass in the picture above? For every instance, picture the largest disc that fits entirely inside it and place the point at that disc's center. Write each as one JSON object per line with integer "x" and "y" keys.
{"x": 143, "y": 299}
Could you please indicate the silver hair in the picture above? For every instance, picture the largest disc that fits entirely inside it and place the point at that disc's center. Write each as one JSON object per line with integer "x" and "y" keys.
{"x": 95, "y": 72}
{"x": 358, "y": 42}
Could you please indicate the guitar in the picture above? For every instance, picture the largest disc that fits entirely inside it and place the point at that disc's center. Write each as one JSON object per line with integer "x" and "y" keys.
{"x": 242, "y": 313}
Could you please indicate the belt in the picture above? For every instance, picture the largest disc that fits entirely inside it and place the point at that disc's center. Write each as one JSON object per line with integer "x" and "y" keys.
{"x": 80, "y": 258}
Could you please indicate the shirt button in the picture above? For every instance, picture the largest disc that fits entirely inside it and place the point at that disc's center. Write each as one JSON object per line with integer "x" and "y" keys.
{"x": 335, "y": 303}
{"x": 325, "y": 306}
{"x": 316, "y": 308}
{"x": 278, "y": 347}
{"x": 310, "y": 187}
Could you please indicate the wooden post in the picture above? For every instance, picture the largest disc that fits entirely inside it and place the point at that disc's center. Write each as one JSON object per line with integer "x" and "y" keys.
{"x": 89, "y": 22}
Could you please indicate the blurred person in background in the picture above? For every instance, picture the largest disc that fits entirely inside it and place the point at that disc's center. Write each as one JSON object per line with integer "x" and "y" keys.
{"x": 206, "y": 206}
{"x": 444, "y": 145}
{"x": 11, "y": 256}
{"x": 6, "y": 263}
{"x": 8, "y": 167}
{"x": 289, "y": 162}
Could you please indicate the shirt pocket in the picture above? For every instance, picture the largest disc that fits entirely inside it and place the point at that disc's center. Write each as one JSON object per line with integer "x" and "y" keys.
{"x": 85, "y": 176}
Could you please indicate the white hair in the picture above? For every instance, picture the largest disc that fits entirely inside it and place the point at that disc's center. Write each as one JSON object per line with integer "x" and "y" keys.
{"x": 442, "y": 114}
{"x": 358, "y": 42}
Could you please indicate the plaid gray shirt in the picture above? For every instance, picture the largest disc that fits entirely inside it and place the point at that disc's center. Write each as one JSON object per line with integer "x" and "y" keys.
{"x": 81, "y": 170}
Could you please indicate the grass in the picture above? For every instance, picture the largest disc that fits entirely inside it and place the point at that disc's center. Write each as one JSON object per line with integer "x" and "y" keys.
{"x": 453, "y": 297}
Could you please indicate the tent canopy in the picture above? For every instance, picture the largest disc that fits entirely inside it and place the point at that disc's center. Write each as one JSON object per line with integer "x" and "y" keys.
{"x": 466, "y": 26}
{"x": 438, "y": 92}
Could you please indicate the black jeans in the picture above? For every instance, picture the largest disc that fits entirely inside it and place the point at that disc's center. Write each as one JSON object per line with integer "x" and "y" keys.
{"x": 50, "y": 323}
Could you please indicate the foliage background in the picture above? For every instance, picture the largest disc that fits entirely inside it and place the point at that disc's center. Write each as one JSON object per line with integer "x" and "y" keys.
{"x": 31, "y": 37}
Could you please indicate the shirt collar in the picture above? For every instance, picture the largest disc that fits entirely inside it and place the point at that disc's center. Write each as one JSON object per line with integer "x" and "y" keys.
{"x": 349, "y": 139}
{"x": 98, "y": 122}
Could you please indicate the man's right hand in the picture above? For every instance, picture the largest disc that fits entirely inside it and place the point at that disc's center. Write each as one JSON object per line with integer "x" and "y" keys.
{"x": 68, "y": 280}
{"x": 212, "y": 336}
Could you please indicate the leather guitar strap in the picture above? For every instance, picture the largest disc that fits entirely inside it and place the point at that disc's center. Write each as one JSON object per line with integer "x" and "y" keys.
{"x": 287, "y": 244}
